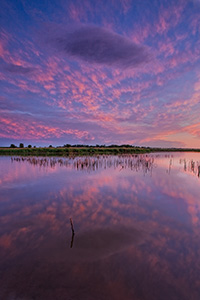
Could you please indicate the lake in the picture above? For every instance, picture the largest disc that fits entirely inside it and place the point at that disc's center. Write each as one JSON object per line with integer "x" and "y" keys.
{"x": 134, "y": 231}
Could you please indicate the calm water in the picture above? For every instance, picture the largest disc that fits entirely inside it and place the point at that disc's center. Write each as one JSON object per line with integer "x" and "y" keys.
{"x": 136, "y": 221}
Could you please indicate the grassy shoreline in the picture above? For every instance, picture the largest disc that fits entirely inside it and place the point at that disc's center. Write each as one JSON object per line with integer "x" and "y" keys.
{"x": 89, "y": 150}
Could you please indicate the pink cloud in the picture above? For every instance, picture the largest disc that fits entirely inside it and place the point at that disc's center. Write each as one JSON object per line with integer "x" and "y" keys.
{"x": 31, "y": 129}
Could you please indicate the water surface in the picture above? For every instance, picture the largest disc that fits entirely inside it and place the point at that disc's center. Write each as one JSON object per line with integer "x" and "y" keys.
{"x": 136, "y": 223}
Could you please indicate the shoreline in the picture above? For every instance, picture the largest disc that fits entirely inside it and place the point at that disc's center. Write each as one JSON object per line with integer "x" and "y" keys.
{"x": 90, "y": 150}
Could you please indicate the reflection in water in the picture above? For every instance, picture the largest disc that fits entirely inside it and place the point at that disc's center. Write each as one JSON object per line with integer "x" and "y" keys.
{"x": 99, "y": 243}
{"x": 72, "y": 240}
{"x": 137, "y": 225}
{"x": 191, "y": 166}
{"x": 133, "y": 162}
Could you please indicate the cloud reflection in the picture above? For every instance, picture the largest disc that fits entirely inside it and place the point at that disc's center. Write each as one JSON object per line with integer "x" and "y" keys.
{"x": 131, "y": 227}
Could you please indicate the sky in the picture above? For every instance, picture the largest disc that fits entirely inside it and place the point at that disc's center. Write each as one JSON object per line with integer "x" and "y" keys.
{"x": 100, "y": 72}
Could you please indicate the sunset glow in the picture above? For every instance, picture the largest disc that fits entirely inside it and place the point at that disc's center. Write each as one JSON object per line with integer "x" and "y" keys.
{"x": 100, "y": 72}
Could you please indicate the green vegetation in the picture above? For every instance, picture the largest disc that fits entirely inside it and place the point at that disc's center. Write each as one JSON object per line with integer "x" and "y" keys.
{"x": 80, "y": 150}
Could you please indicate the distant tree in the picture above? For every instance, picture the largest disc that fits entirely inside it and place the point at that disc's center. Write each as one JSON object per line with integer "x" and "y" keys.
{"x": 13, "y": 146}
{"x": 29, "y": 146}
{"x": 66, "y": 145}
{"x": 50, "y": 146}
{"x": 21, "y": 145}
{"x": 34, "y": 146}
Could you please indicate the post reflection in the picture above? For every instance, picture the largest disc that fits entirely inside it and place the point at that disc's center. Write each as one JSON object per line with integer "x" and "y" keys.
{"x": 137, "y": 228}
{"x": 133, "y": 162}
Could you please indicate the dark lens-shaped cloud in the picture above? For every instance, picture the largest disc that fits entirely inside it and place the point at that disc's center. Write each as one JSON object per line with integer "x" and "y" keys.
{"x": 17, "y": 69}
{"x": 97, "y": 45}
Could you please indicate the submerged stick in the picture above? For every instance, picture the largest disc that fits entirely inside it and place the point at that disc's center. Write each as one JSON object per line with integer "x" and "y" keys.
{"x": 72, "y": 227}
{"x": 73, "y": 233}
{"x": 72, "y": 240}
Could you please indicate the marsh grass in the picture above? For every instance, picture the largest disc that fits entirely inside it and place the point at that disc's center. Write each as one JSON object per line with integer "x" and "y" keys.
{"x": 135, "y": 162}
{"x": 121, "y": 162}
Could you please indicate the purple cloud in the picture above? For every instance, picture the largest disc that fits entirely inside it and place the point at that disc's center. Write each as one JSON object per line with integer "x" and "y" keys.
{"x": 18, "y": 69}
{"x": 97, "y": 45}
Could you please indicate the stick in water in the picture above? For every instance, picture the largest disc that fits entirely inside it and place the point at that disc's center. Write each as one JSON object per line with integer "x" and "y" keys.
{"x": 72, "y": 228}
